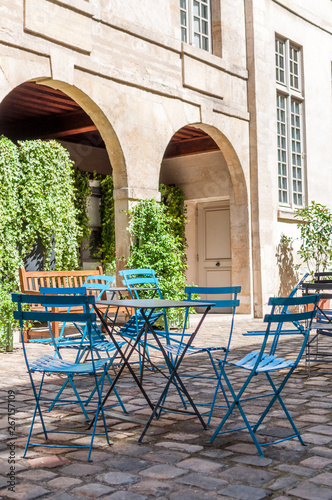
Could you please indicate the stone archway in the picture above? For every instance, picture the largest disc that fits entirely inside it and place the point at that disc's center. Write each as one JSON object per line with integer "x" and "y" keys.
{"x": 74, "y": 117}
{"x": 210, "y": 171}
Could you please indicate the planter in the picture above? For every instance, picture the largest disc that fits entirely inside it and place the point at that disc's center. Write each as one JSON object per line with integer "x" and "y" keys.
{"x": 6, "y": 334}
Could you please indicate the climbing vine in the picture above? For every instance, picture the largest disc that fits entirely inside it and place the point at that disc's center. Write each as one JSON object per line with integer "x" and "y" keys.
{"x": 173, "y": 199}
{"x": 36, "y": 203}
{"x": 48, "y": 203}
{"x": 11, "y": 222}
{"x": 82, "y": 193}
{"x": 102, "y": 243}
{"x": 108, "y": 253}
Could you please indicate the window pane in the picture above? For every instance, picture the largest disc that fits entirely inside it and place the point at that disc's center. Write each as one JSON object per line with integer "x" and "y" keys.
{"x": 280, "y": 60}
{"x": 196, "y": 9}
{"x": 205, "y": 43}
{"x": 294, "y": 69}
{"x": 288, "y": 60}
{"x": 199, "y": 24}
{"x": 197, "y": 41}
{"x": 183, "y": 20}
{"x": 297, "y": 167}
{"x": 205, "y": 28}
{"x": 282, "y": 151}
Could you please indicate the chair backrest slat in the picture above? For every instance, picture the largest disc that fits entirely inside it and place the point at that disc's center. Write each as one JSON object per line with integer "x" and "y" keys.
{"x": 307, "y": 306}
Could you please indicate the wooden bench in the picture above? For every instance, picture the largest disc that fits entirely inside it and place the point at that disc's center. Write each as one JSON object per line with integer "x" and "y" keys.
{"x": 31, "y": 281}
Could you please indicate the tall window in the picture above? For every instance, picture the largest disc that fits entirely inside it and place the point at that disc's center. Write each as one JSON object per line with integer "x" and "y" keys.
{"x": 290, "y": 101}
{"x": 196, "y": 23}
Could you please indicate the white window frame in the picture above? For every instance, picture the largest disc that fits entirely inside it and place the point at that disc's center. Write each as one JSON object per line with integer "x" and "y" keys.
{"x": 290, "y": 124}
{"x": 195, "y": 26}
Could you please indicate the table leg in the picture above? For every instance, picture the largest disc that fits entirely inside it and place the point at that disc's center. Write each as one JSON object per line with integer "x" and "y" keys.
{"x": 173, "y": 372}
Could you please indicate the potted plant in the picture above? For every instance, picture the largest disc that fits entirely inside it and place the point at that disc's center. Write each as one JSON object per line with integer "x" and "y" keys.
{"x": 154, "y": 245}
{"x": 315, "y": 227}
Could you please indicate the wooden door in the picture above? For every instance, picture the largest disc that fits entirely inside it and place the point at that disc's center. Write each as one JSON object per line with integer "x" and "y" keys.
{"x": 214, "y": 245}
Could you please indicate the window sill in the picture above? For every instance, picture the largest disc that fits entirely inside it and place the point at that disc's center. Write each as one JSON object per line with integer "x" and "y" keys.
{"x": 287, "y": 215}
{"x": 212, "y": 60}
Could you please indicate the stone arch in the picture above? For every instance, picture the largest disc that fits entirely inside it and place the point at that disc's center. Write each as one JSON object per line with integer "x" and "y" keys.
{"x": 106, "y": 131}
{"x": 239, "y": 209}
{"x": 103, "y": 125}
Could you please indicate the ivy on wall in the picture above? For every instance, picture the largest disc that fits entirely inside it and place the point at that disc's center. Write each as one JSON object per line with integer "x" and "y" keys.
{"x": 11, "y": 222}
{"x": 48, "y": 203}
{"x": 173, "y": 199}
{"x": 37, "y": 201}
{"x": 102, "y": 243}
{"x": 108, "y": 252}
{"x": 82, "y": 193}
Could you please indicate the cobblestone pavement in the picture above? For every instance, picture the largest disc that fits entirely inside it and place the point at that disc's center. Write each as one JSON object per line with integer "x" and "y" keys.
{"x": 175, "y": 460}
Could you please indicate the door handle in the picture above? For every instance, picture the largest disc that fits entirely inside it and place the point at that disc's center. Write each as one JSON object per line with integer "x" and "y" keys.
{"x": 218, "y": 264}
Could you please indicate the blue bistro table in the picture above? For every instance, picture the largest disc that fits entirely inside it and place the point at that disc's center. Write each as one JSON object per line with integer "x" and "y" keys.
{"x": 147, "y": 308}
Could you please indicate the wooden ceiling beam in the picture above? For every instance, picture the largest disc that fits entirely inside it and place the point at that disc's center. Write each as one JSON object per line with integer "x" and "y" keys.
{"x": 49, "y": 127}
{"x": 184, "y": 148}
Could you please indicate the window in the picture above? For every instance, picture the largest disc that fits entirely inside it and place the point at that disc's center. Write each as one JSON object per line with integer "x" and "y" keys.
{"x": 290, "y": 105}
{"x": 196, "y": 23}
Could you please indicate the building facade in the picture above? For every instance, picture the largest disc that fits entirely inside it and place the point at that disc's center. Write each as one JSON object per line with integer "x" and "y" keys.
{"x": 228, "y": 99}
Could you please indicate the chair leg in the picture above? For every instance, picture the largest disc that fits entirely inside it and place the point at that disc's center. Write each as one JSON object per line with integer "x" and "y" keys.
{"x": 37, "y": 408}
{"x": 236, "y": 403}
{"x": 99, "y": 409}
{"x": 277, "y": 392}
{"x": 219, "y": 384}
{"x": 114, "y": 390}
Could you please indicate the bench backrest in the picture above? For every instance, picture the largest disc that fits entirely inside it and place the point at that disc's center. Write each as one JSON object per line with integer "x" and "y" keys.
{"x": 30, "y": 281}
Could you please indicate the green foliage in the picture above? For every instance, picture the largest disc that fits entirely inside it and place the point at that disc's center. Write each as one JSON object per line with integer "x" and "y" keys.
{"x": 7, "y": 321}
{"x": 102, "y": 244}
{"x": 316, "y": 236}
{"x": 36, "y": 202}
{"x": 47, "y": 198}
{"x": 108, "y": 253}
{"x": 155, "y": 246}
{"x": 10, "y": 212}
{"x": 173, "y": 199}
{"x": 82, "y": 193}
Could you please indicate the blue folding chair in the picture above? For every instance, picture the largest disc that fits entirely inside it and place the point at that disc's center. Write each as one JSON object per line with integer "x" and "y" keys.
{"x": 222, "y": 298}
{"x": 94, "y": 371}
{"x": 143, "y": 283}
{"x": 268, "y": 361}
{"x": 284, "y": 310}
{"x": 79, "y": 340}
{"x": 96, "y": 285}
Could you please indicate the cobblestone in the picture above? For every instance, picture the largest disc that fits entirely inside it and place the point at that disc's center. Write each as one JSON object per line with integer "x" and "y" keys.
{"x": 175, "y": 461}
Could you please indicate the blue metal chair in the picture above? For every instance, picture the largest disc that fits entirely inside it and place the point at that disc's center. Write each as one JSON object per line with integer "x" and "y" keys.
{"x": 222, "y": 298}
{"x": 143, "y": 283}
{"x": 95, "y": 370}
{"x": 268, "y": 361}
{"x": 96, "y": 285}
{"x": 284, "y": 310}
{"x": 79, "y": 340}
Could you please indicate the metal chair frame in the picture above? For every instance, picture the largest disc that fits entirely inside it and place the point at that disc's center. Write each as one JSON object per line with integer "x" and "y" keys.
{"x": 98, "y": 341}
{"x": 50, "y": 365}
{"x": 266, "y": 361}
{"x": 176, "y": 349}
